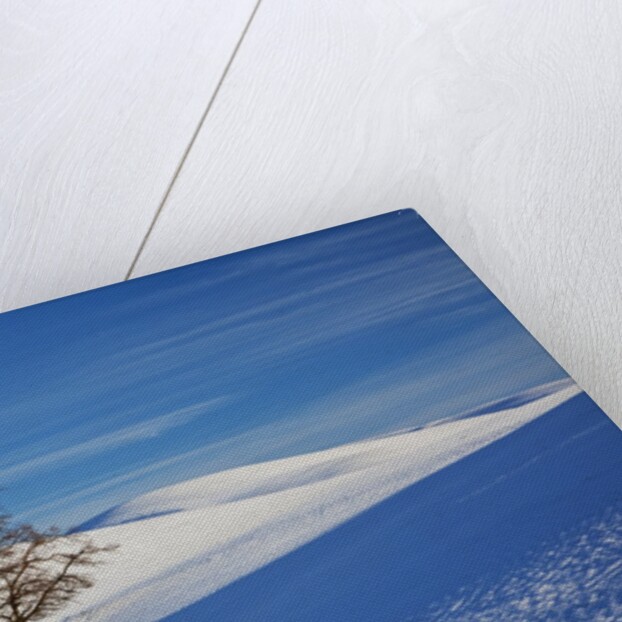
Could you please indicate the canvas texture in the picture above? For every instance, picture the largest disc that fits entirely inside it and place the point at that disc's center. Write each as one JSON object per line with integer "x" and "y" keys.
{"x": 344, "y": 426}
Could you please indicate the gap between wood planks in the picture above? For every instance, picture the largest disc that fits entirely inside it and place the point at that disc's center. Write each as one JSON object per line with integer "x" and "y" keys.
{"x": 191, "y": 143}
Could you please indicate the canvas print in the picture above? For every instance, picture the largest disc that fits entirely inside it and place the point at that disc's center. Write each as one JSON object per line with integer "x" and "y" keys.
{"x": 342, "y": 426}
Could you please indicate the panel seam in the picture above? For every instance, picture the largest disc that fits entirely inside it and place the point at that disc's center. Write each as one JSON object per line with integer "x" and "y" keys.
{"x": 196, "y": 133}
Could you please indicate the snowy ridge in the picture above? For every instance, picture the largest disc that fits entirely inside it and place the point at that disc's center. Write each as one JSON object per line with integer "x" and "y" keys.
{"x": 206, "y": 533}
{"x": 275, "y": 476}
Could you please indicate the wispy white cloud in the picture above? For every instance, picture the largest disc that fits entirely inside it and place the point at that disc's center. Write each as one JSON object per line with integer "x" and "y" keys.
{"x": 361, "y": 296}
{"x": 105, "y": 442}
{"x": 307, "y": 318}
{"x": 299, "y": 301}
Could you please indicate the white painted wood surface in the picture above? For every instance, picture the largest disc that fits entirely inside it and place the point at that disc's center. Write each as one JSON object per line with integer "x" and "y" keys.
{"x": 98, "y": 102}
{"x": 499, "y": 121}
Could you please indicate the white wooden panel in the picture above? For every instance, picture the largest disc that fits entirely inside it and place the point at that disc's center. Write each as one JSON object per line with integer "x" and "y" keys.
{"x": 98, "y": 102}
{"x": 499, "y": 121}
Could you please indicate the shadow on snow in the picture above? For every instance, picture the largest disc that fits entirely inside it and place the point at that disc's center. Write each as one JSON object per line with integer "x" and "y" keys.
{"x": 465, "y": 525}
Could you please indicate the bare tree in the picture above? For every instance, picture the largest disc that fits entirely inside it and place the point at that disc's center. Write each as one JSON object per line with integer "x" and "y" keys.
{"x": 41, "y": 571}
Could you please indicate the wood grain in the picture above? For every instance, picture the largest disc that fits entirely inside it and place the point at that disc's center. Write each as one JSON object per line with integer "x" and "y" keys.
{"x": 499, "y": 121}
{"x": 98, "y": 102}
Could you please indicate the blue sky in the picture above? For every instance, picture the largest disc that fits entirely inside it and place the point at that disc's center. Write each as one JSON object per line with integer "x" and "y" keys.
{"x": 291, "y": 347}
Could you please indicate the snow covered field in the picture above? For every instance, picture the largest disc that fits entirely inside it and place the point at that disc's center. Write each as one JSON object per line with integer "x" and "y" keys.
{"x": 495, "y": 515}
